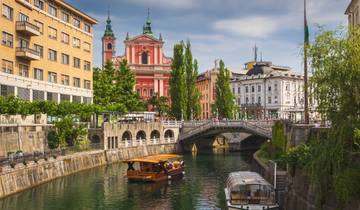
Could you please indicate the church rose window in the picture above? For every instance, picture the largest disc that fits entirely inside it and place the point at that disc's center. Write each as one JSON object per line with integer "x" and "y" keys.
{"x": 144, "y": 58}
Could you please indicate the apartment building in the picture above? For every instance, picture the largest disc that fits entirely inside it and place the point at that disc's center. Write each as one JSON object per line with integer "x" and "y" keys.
{"x": 46, "y": 51}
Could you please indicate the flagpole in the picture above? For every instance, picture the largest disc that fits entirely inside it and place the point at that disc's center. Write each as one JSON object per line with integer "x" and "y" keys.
{"x": 306, "y": 44}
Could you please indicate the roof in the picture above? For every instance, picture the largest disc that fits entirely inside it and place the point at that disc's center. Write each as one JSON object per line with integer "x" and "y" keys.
{"x": 349, "y": 7}
{"x": 245, "y": 178}
{"x": 77, "y": 11}
{"x": 154, "y": 158}
{"x": 143, "y": 35}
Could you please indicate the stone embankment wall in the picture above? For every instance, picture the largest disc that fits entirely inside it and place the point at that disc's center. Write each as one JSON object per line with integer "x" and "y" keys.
{"x": 21, "y": 177}
{"x": 301, "y": 195}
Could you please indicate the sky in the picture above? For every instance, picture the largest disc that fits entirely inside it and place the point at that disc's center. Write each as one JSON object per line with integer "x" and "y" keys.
{"x": 219, "y": 29}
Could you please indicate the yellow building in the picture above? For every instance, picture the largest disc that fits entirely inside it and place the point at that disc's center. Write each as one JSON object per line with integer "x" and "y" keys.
{"x": 353, "y": 12}
{"x": 206, "y": 85}
{"x": 46, "y": 51}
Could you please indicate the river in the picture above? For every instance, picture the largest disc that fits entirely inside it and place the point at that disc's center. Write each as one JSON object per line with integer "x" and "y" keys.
{"x": 107, "y": 188}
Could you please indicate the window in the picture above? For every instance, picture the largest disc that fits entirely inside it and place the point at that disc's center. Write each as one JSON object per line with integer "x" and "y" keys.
{"x": 52, "y": 55}
{"x": 40, "y": 25}
{"x": 252, "y": 100}
{"x": 247, "y": 100}
{"x": 151, "y": 92}
{"x": 87, "y": 65}
{"x": 7, "y": 39}
{"x": 76, "y": 42}
{"x": 76, "y": 82}
{"x": 7, "y": 66}
{"x": 87, "y": 47}
{"x": 76, "y": 62}
{"x": 259, "y": 88}
{"x": 144, "y": 58}
{"x": 23, "y": 17}
{"x": 38, "y": 74}
{"x": 252, "y": 89}
{"x": 65, "y": 59}
{"x": 275, "y": 86}
{"x": 8, "y": 12}
{"x": 39, "y": 49}
{"x": 65, "y": 38}
{"x": 287, "y": 87}
{"x": 52, "y": 96}
{"x": 23, "y": 43}
{"x": 52, "y": 10}
{"x": 7, "y": 90}
{"x": 52, "y": 77}
{"x": 65, "y": 17}
{"x": 39, "y": 4}
{"x": 23, "y": 70}
{"x": 87, "y": 27}
{"x": 269, "y": 100}
{"x": 144, "y": 92}
{"x": 65, "y": 79}
{"x": 269, "y": 88}
{"x": 52, "y": 33}
{"x": 76, "y": 23}
{"x": 239, "y": 90}
{"x": 109, "y": 46}
{"x": 246, "y": 89}
{"x": 259, "y": 100}
{"x": 87, "y": 84}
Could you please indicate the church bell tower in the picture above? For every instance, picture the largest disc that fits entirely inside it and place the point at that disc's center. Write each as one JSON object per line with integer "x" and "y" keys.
{"x": 108, "y": 43}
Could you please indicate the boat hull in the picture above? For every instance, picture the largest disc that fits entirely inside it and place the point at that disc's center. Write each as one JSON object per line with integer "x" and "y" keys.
{"x": 155, "y": 177}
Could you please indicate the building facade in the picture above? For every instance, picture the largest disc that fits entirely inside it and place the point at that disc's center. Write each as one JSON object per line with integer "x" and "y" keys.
{"x": 270, "y": 92}
{"x": 46, "y": 51}
{"x": 145, "y": 56}
{"x": 205, "y": 83}
{"x": 353, "y": 13}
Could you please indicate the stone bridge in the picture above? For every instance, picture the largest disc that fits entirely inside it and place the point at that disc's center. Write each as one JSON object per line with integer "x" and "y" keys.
{"x": 204, "y": 133}
{"x": 119, "y": 135}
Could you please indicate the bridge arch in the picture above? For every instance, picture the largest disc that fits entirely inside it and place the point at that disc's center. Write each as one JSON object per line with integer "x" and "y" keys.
{"x": 141, "y": 135}
{"x": 155, "y": 134}
{"x": 126, "y": 136}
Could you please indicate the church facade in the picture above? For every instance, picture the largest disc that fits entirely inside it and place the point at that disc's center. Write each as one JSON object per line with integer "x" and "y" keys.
{"x": 145, "y": 56}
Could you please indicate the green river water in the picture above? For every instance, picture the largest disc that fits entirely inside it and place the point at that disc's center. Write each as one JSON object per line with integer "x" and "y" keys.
{"x": 107, "y": 188}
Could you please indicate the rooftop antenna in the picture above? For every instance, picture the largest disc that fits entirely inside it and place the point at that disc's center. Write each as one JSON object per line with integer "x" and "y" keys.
{"x": 255, "y": 52}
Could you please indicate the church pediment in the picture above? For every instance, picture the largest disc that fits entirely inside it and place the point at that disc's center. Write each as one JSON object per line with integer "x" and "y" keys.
{"x": 143, "y": 38}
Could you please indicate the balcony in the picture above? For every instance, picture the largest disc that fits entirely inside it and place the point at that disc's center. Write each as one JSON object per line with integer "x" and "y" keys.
{"x": 27, "y": 53}
{"x": 27, "y": 28}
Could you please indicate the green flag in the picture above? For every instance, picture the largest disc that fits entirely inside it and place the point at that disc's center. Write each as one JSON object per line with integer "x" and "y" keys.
{"x": 306, "y": 27}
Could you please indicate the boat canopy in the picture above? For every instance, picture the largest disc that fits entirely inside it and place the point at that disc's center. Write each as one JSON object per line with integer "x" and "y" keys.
{"x": 243, "y": 178}
{"x": 154, "y": 158}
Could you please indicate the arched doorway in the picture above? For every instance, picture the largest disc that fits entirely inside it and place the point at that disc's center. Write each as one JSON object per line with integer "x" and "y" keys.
{"x": 155, "y": 137}
{"x": 126, "y": 138}
{"x": 169, "y": 136}
{"x": 141, "y": 137}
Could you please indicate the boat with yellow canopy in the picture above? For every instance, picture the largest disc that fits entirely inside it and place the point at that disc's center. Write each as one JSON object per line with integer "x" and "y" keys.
{"x": 155, "y": 168}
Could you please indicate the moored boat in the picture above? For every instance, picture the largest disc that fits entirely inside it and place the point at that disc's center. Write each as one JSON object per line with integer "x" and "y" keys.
{"x": 247, "y": 190}
{"x": 155, "y": 168}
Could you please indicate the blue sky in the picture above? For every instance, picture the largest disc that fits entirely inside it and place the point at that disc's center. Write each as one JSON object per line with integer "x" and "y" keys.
{"x": 226, "y": 29}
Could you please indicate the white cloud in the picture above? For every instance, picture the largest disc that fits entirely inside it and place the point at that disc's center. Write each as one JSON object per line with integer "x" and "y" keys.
{"x": 254, "y": 27}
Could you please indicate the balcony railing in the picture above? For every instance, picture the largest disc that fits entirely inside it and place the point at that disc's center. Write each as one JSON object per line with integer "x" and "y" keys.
{"x": 27, "y": 28}
{"x": 27, "y": 53}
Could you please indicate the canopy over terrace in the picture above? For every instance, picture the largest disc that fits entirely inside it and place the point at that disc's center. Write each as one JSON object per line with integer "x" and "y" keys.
{"x": 154, "y": 158}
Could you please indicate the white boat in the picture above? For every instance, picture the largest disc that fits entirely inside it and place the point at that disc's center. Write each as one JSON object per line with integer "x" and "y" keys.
{"x": 247, "y": 190}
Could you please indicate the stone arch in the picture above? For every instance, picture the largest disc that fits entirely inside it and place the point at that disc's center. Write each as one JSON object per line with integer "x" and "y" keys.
{"x": 155, "y": 134}
{"x": 141, "y": 135}
{"x": 126, "y": 136}
{"x": 95, "y": 139}
{"x": 169, "y": 134}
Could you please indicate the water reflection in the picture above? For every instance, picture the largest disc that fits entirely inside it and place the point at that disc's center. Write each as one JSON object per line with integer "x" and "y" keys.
{"x": 107, "y": 188}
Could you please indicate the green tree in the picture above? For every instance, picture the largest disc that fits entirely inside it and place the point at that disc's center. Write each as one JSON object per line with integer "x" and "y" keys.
{"x": 193, "y": 107}
{"x": 224, "y": 105}
{"x": 114, "y": 88}
{"x": 335, "y": 59}
{"x": 178, "y": 83}
{"x": 160, "y": 104}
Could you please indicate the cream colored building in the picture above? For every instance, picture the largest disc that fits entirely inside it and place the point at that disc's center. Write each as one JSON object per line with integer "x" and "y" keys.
{"x": 45, "y": 51}
{"x": 353, "y": 13}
